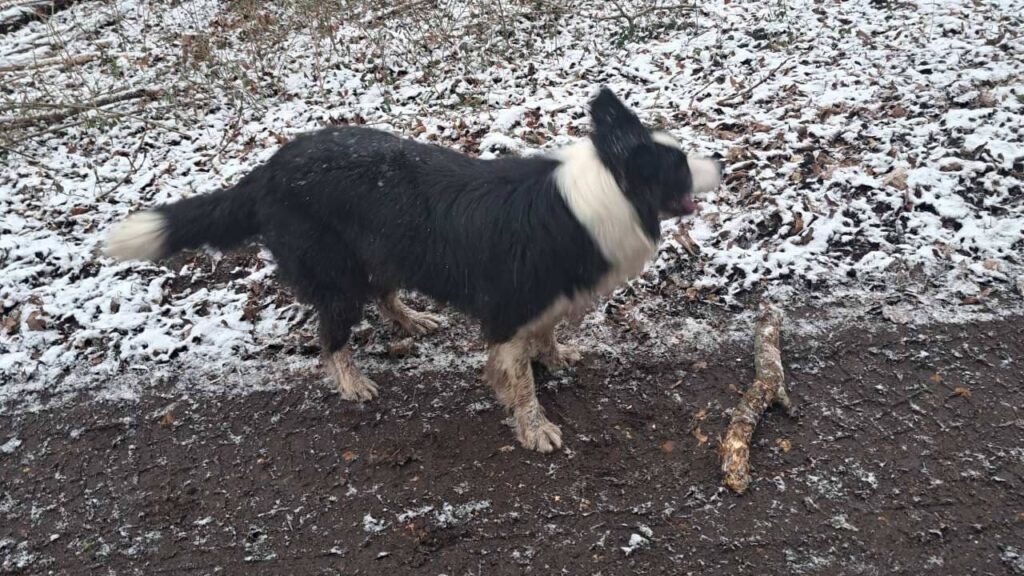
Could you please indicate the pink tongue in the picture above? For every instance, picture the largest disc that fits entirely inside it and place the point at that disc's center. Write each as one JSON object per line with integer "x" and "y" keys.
{"x": 690, "y": 206}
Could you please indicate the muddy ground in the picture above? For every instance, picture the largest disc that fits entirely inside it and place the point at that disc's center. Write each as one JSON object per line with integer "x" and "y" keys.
{"x": 906, "y": 457}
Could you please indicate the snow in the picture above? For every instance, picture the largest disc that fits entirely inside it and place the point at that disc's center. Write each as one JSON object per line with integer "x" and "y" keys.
{"x": 864, "y": 145}
{"x": 373, "y": 525}
{"x": 10, "y": 446}
{"x": 636, "y": 542}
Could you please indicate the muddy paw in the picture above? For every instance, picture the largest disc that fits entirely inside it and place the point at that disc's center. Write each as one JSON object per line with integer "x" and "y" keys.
{"x": 561, "y": 357}
{"x": 536, "y": 432}
{"x": 420, "y": 323}
{"x": 357, "y": 389}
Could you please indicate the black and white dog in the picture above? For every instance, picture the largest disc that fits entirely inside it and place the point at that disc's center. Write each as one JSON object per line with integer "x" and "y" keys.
{"x": 354, "y": 213}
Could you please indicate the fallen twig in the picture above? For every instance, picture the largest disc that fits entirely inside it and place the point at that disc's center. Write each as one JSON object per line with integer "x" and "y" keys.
{"x": 766, "y": 390}
{"x": 744, "y": 94}
{"x": 44, "y": 62}
{"x": 67, "y": 110}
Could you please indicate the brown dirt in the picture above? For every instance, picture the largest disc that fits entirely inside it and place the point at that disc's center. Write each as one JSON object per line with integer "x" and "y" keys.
{"x": 906, "y": 457}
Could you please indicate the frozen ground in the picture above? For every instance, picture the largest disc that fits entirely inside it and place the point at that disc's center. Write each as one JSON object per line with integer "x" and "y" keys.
{"x": 873, "y": 149}
{"x": 874, "y": 189}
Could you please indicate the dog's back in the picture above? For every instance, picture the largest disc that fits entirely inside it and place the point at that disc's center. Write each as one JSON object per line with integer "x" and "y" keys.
{"x": 491, "y": 237}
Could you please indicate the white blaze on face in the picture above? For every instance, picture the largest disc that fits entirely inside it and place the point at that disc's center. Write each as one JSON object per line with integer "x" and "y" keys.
{"x": 705, "y": 173}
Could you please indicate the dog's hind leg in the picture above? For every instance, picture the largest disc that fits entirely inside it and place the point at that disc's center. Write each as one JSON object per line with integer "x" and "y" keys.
{"x": 412, "y": 322}
{"x": 553, "y": 354}
{"x": 337, "y": 316}
{"x": 508, "y": 371}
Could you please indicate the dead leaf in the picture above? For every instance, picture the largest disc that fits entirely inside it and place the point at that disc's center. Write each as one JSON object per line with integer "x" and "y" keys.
{"x": 11, "y": 321}
{"x": 977, "y": 298}
{"x": 35, "y": 322}
{"x": 936, "y": 378}
{"x": 898, "y": 111}
{"x": 734, "y": 154}
{"x": 684, "y": 240}
{"x": 701, "y": 437}
{"x": 896, "y": 179}
{"x": 992, "y": 265}
{"x": 668, "y": 446}
{"x": 786, "y": 445}
{"x": 962, "y": 392}
{"x": 798, "y": 224}
{"x": 698, "y": 366}
{"x": 167, "y": 420}
{"x": 349, "y": 455}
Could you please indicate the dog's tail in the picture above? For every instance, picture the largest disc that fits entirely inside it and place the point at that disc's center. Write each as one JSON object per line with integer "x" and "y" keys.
{"x": 221, "y": 219}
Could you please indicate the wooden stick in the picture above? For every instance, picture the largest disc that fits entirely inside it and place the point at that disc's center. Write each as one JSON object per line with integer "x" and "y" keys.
{"x": 72, "y": 60}
{"x": 67, "y": 110}
{"x": 766, "y": 390}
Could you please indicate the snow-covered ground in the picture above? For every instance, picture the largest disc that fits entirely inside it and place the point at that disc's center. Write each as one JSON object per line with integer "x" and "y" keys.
{"x": 873, "y": 148}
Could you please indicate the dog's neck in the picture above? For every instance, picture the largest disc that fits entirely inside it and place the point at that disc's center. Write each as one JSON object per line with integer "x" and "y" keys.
{"x": 599, "y": 204}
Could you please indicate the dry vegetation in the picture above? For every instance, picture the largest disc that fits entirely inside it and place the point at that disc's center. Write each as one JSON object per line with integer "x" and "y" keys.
{"x": 244, "y": 53}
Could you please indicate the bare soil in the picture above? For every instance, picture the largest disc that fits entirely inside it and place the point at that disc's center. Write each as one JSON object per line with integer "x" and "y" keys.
{"x": 906, "y": 457}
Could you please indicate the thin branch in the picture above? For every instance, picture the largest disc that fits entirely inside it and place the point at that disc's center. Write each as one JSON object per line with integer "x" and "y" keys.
{"x": 631, "y": 18}
{"x": 744, "y": 94}
{"x": 44, "y": 62}
{"x": 67, "y": 110}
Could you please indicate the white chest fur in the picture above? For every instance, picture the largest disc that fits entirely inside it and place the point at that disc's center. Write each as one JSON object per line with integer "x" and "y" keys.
{"x": 594, "y": 197}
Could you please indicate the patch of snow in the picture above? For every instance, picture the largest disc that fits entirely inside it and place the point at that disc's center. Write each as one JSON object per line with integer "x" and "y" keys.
{"x": 839, "y": 522}
{"x": 373, "y": 525}
{"x": 10, "y": 446}
{"x": 449, "y": 515}
{"x": 636, "y": 542}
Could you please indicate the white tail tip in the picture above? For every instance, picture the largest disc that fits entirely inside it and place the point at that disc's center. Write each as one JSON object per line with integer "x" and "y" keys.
{"x": 141, "y": 236}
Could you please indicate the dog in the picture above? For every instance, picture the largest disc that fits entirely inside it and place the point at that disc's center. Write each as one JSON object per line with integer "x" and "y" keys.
{"x": 353, "y": 214}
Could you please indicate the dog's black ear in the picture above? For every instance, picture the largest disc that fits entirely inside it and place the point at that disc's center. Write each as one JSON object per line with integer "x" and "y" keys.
{"x": 642, "y": 163}
{"x": 616, "y": 129}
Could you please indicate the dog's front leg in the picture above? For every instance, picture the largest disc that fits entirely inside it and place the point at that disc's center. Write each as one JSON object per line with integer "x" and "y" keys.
{"x": 508, "y": 371}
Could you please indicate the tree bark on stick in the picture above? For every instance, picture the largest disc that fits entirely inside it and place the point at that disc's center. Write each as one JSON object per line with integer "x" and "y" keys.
{"x": 766, "y": 390}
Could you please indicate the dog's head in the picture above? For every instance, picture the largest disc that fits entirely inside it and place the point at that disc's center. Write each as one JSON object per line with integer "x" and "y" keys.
{"x": 649, "y": 166}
